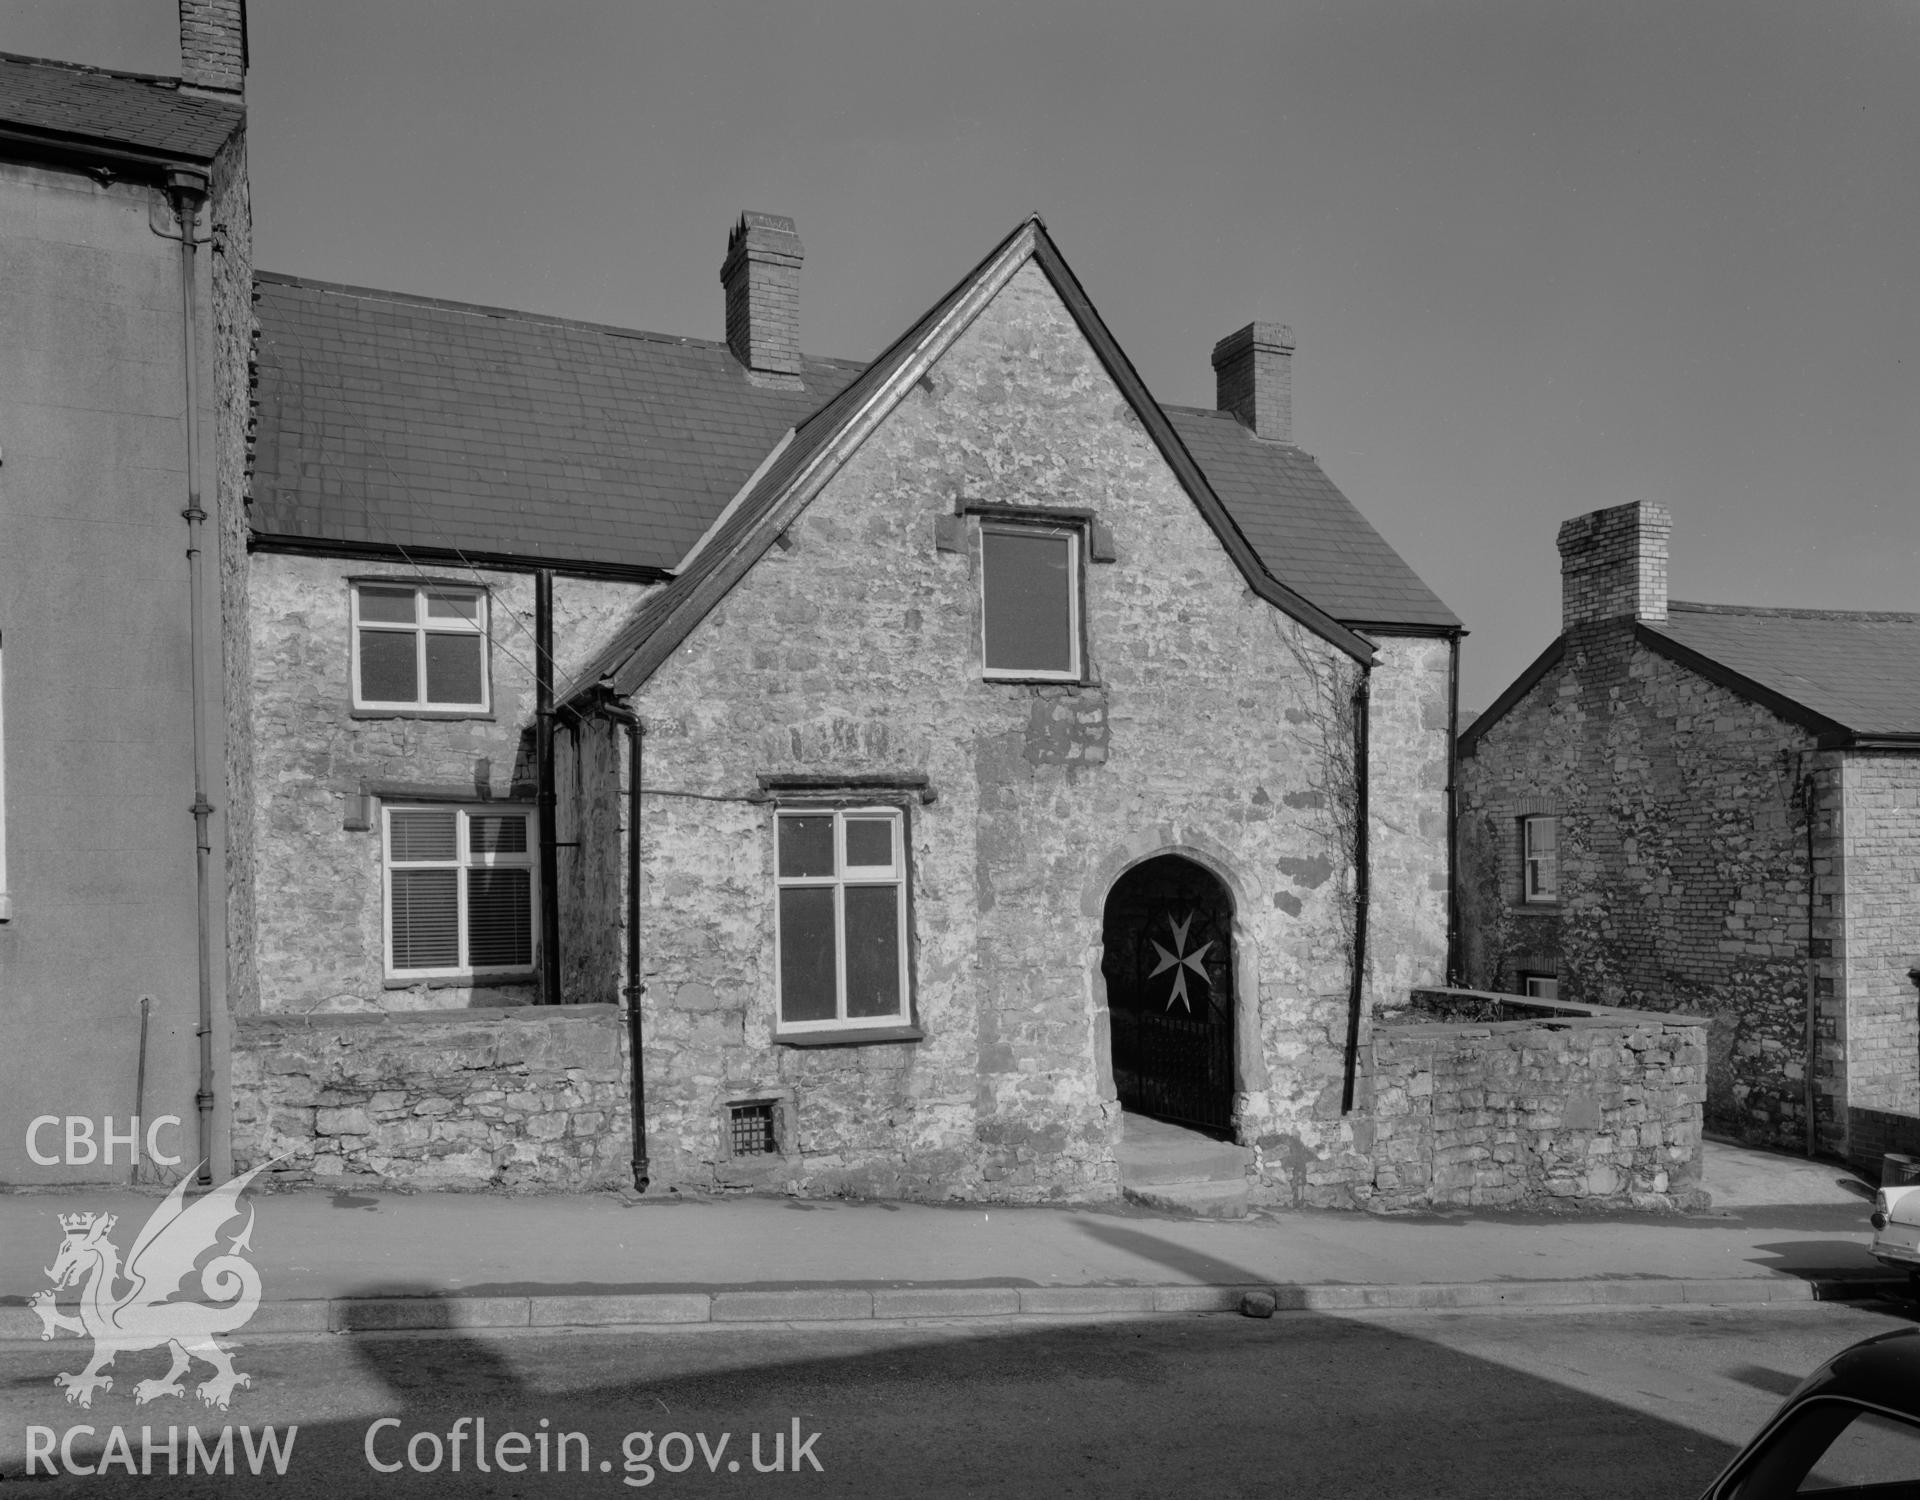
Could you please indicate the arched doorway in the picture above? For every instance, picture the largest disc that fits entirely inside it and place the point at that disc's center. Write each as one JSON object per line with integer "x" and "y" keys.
{"x": 1168, "y": 963}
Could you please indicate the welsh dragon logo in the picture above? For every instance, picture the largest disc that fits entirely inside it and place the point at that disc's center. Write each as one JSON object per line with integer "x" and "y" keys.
{"x": 141, "y": 1316}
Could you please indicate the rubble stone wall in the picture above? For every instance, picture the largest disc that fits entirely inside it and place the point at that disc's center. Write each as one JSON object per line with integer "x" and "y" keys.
{"x": 1601, "y": 1110}
{"x": 1409, "y": 725}
{"x": 1683, "y": 866}
{"x": 320, "y": 943}
{"x": 533, "y": 1098}
{"x": 231, "y": 268}
{"x": 1212, "y": 726}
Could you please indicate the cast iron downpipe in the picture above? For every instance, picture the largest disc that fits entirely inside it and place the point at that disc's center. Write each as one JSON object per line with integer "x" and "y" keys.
{"x": 544, "y": 797}
{"x": 1454, "y": 976}
{"x": 636, "y": 987}
{"x": 1361, "y": 881}
{"x": 1810, "y": 800}
{"x": 187, "y": 191}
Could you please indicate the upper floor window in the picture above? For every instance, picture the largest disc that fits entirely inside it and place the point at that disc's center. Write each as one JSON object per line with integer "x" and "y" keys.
{"x": 459, "y": 890}
{"x": 841, "y": 923}
{"x": 1540, "y": 859}
{"x": 419, "y": 647}
{"x": 1030, "y": 601}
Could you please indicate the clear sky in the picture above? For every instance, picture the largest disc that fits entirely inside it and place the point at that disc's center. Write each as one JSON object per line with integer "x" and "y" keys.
{"x": 1539, "y": 257}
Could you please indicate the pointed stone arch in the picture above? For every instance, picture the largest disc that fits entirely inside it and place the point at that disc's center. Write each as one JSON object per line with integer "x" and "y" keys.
{"x": 1247, "y": 1069}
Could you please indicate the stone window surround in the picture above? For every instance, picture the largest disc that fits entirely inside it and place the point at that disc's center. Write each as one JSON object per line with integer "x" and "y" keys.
{"x": 752, "y": 1171}
{"x": 418, "y": 580}
{"x": 1093, "y": 544}
{"x": 826, "y": 791}
{"x": 464, "y": 803}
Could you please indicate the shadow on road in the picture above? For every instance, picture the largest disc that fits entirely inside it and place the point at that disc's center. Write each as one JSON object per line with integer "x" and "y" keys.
{"x": 1300, "y": 1405}
{"x": 1204, "y": 1269}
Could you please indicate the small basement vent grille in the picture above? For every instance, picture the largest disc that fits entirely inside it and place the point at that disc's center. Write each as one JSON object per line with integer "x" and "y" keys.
{"x": 752, "y": 1127}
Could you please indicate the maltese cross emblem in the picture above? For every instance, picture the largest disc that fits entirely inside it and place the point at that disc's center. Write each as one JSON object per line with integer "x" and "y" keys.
{"x": 1180, "y": 961}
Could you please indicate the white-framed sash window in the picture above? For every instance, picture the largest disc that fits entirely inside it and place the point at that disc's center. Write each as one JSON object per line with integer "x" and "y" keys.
{"x": 1540, "y": 859}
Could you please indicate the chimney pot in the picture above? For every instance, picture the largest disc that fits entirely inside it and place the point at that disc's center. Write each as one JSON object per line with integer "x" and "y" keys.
{"x": 761, "y": 275}
{"x": 1613, "y": 565}
{"x": 213, "y": 45}
{"x": 1253, "y": 378}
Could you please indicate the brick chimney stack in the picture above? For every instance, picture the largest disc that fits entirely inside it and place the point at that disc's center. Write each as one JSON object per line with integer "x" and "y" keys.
{"x": 213, "y": 45}
{"x": 1613, "y": 565}
{"x": 1253, "y": 378}
{"x": 762, "y": 276}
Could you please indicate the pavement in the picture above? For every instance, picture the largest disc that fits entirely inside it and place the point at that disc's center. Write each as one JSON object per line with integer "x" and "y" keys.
{"x": 1781, "y": 1229}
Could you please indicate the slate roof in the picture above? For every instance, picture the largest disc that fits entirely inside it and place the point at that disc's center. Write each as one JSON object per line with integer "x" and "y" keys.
{"x": 1860, "y": 671}
{"x": 796, "y": 473}
{"x": 66, "y": 104}
{"x": 405, "y": 421}
{"x": 1307, "y": 533}
{"x": 388, "y": 420}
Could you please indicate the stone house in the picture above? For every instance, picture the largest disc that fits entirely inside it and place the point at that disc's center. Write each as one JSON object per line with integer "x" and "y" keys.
{"x": 921, "y": 766}
{"x": 122, "y": 550}
{"x": 1714, "y": 809}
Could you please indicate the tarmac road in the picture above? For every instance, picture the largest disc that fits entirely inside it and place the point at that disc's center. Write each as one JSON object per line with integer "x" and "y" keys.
{"x": 1630, "y": 1403}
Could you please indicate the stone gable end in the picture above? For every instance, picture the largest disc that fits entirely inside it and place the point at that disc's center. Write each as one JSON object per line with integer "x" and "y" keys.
{"x": 1209, "y": 724}
{"x": 1683, "y": 866}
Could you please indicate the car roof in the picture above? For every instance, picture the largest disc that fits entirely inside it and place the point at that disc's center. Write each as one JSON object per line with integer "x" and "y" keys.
{"x": 1882, "y": 1371}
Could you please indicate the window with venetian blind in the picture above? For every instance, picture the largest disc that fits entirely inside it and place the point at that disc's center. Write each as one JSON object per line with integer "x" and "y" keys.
{"x": 459, "y": 890}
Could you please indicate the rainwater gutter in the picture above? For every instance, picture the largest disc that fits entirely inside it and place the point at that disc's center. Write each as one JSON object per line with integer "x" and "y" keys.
{"x": 187, "y": 190}
{"x": 1362, "y": 878}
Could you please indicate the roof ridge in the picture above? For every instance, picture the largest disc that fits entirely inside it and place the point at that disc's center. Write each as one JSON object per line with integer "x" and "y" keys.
{"x": 166, "y": 80}
{"x": 518, "y": 315}
{"x": 1227, "y": 416}
{"x": 1779, "y": 612}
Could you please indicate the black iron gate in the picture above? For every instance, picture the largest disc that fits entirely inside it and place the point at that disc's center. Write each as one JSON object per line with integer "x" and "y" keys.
{"x": 1168, "y": 964}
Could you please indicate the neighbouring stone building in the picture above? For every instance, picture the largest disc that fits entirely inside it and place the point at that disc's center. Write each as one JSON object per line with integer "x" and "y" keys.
{"x": 124, "y": 285}
{"x": 1715, "y": 809}
{"x": 950, "y": 753}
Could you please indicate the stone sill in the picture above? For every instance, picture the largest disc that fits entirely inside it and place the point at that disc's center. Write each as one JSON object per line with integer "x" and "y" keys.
{"x": 492, "y": 1015}
{"x": 460, "y": 982}
{"x": 848, "y": 1038}
{"x": 482, "y": 716}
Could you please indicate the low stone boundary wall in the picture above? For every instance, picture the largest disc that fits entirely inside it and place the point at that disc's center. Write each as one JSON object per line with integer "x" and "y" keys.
{"x": 1498, "y": 1101}
{"x": 533, "y": 1098}
{"x": 1872, "y": 1133}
